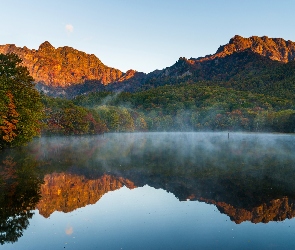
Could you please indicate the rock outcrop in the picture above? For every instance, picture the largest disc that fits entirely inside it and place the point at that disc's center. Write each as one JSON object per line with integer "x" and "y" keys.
{"x": 276, "y": 49}
{"x": 63, "y": 66}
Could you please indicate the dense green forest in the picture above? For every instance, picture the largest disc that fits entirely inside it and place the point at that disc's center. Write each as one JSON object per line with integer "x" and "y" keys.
{"x": 183, "y": 107}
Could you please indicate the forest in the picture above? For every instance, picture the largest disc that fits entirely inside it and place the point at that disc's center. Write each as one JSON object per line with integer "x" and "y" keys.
{"x": 241, "y": 94}
{"x": 182, "y": 107}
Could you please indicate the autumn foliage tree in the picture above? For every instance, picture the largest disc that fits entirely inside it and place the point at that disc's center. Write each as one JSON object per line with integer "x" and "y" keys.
{"x": 9, "y": 120}
{"x": 20, "y": 106}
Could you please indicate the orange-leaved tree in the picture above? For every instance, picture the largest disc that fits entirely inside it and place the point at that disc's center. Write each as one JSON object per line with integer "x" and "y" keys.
{"x": 21, "y": 109}
{"x": 9, "y": 120}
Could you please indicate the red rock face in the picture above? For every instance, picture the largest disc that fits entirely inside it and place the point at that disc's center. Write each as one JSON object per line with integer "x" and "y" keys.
{"x": 67, "y": 192}
{"x": 63, "y": 66}
{"x": 276, "y": 49}
{"x": 129, "y": 74}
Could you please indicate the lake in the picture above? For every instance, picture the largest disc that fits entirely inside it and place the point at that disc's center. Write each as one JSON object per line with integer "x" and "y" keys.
{"x": 150, "y": 191}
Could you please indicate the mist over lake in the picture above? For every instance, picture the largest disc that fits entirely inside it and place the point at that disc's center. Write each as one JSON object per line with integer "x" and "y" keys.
{"x": 149, "y": 191}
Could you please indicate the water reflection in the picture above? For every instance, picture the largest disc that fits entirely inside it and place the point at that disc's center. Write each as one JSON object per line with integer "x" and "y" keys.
{"x": 66, "y": 192}
{"x": 248, "y": 177}
{"x": 20, "y": 192}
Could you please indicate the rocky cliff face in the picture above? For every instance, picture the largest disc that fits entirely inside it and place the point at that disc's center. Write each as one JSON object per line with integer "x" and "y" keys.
{"x": 63, "y": 66}
{"x": 67, "y": 192}
{"x": 276, "y": 49}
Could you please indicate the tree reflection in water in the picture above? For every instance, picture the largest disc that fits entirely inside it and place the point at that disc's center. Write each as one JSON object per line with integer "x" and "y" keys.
{"x": 20, "y": 192}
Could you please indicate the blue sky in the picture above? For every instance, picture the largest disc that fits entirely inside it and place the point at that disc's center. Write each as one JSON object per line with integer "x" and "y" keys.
{"x": 143, "y": 34}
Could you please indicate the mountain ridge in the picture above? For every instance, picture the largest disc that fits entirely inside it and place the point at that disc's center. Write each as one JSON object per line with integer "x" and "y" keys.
{"x": 276, "y": 49}
{"x": 65, "y": 71}
{"x": 63, "y": 66}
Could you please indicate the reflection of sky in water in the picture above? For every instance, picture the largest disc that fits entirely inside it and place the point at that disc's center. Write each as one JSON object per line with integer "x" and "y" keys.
{"x": 148, "y": 218}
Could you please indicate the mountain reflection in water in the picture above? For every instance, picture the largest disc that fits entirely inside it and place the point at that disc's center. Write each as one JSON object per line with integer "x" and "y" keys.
{"x": 249, "y": 177}
{"x": 67, "y": 192}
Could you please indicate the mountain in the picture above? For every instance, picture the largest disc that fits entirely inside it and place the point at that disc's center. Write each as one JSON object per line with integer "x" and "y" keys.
{"x": 276, "y": 49}
{"x": 63, "y": 66}
{"x": 258, "y": 64}
{"x": 241, "y": 56}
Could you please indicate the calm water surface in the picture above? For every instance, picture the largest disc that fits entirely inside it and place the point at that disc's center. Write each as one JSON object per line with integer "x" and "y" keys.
{"x": 150, "y": 191}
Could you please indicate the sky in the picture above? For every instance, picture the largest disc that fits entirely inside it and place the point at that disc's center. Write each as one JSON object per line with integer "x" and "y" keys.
{"x": 143, "y": 35}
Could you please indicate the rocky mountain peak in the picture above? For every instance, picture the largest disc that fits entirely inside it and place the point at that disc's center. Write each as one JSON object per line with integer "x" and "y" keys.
{"x": 128, "y": 75}
{"x": 46, "y": 46}
{"x": 63, "y": 66}
{"x": 276, "y": 49}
